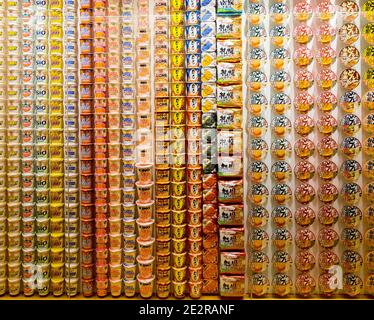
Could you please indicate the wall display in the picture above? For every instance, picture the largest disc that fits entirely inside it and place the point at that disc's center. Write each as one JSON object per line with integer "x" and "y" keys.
{"x": 186, "y": 148}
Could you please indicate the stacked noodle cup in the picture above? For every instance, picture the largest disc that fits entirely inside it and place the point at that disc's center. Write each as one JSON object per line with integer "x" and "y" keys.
{"x": 162, "y": 135}
{"x": 68, "y": 47}
{"x": 86, "y": 148}
{"x": 193, "y": 145}
{"x": 12, "y": 93}
{"x": 144, "y": 165}
{"x": 367, "y": 112}
{"x": 208, "y": 147}
{"x": 128, "y": 105}
{"x": 114, "y": 148}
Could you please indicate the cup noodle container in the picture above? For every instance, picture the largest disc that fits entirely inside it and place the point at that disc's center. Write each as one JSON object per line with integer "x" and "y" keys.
{"x": 145, "y": 210}
{"x": 145, "y": 248}
{"x": 145, "y": 229}
{"x": 144, "y": 172}
{"x": 145, "y": 286}
{"x": 145, "y": 191}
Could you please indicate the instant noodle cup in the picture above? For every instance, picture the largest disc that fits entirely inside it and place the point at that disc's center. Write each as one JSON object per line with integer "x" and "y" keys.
{"x": 43, "y": 286}
{"x": 195, "y": 289}
{"x": 87, "y": 256}
{"x": 163, "y": 289}
{"x": 179, "y": 259}
{"x": 162, "y": 175}
{"x": 14, "y": 270}
{"x": 144, "y": 172}
{"x": 115, "y": 287}
{"x": 57, "y": 224}
{"x": 179, "y": 274}
{"x": 129, "y": 256}
{"x": 195, "y": 259}
{"x": 163, "y": 245}
{"x": 101, "y": 253}
{"x": 129, "y": 241}
{"x": 115, "y": 225}
{"x": 144, "y": 192}
{"x": 14, "y": 286}
{"x": 57, "y": 270}
{"x": 3, "y": 239}
{"x": 145, "y": 248}
{"x": 115, "y": 271}
{"x": 3, "y": 269}
{"x": 130, "y": 271}
{"x": 42, "y": 255}
{"x": 3, "y": 286}
{"x": 57, "y": 210}
{"x": 115, "y": 255}
{"x": 145, "y": 267}
{"x": 57, "y": 255}
{"x": 28, "y": 270}
{"x": 71, "y": 270}
{"x": 57, "y": 286}
{"x": 72, "y": 240}
{"x": 28, "y": 287}
{"x": 14, "y": 224}
{"x": 145, "y": 229}
{"x": 101, "y": 268}
{"x": 71, "y": 285}
{"x": 179, "y": 231}
{"x": 115, "y": 195}
{"x": 87, "y": 271}
{"x": 145, "y": 286}
{"x": 128, "y": 195}
{"x": 115, "y": 210}
{"x": 129, "y": 287}
{"x": 71, "y": 255}
{"x": 195, "y": 274}
{"x": 163, "y": 231}
{"x": 194, "y": 231}
{"x": 179, "y": 245}
{"x": 129, "y": 226}
{"x": 179, "y": 217}
{"x": 57, "y": 240}
{"x": 2, "y": 255}
{"x": 179, "y": 289}
{"x": 145, "y": 210}
{"x": 163, "y": 218}
{"x": 162, "y": 204}
{"x": 14, "y": 254}
{"x": 87, "y": 241}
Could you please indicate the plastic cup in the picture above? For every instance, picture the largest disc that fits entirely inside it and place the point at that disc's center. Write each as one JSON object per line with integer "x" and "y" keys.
{"x": 144, "y": 191}
{"x": 145, "y": 286}
{"x": 145, "y": 267}
{"x": 145, "y": 210}
{"x": 145, "y": 248}
{"x": 145, "y": 229}
{"x": 144, "y": 172}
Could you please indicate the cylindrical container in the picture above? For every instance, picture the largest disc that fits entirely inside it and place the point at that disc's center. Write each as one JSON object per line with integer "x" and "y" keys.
{"x": 145, "y": 286}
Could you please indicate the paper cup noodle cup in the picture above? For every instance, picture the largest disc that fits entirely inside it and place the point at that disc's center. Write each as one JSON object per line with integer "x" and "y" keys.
{"x": 71, "y": 225}
{"x": 129, "y": 226}
{"x": 163, "y": 231}
{"x": 88, "y": 241}
{"x": 115, "y": 287}
{"x": 179, "y": 259}
{"x": 42, "y": 270}
{"x": 29, "y": 286}
{"x": 15, "y": 209}
{"x": 195, "y": 259}
{"x": 14, "y": 239}
{"x": 195, "y": 289}
{"x": 57, "y": 240}
{"x": 42, "y": 225}
{"x": 102, "y": 268}
{"x": 130, "y": 271}
{"x": 115, "y": 195}
{"x": 179, "y": 289}
{"x": 195, "y": 245}
{"x": 57, "y": 270}
{"x": 28, "y": 270}
{"x": 3, "y": 252}
{"x": 102, "y": 253}
{"x": 14, "y": 270}
{"x": 128, "y": 210}
{"x": 145, "y": 267}
{"x": 57, "y": 255}
{"x": 71, "y": 286}
{"x": 129, "y": 287}
{"x": 14, "y": 254}
{"x": 71, "y": 270}
{"x": 195, "y": 274}
{"x": 57, "y": 225}
{"x": 3, "y": 269}
{"x": 42, "y": 255}
{"x": 179, "y": 217}
{"x": 14, "y": 224}
{"x": 163, "y": 289}
{"x": 129, "y": 241}
{"x": 57, "y": 286}
{"x": 163, "y": 273}
{"x": 72, "y": 210}
{"x": 71, "y": 240}
{"x": 145, "y": 286}
{"x": 162, "y": 204}
{"x": 71, "y": 255}
{"x": 129, "y": 256}
{"x": 3, "y": 286}
{"x": 179, "y": 231}
{"x": 145, "y": 210}
{"x": 145, "y": 229}
{"x": 3, "y": 237}
{"x": 163, "y": 218}
{"x": 179, "y": 245}
{"x": 115, "y": 240}
{"x": 14, "y": 286}
{"x": 145, "y": 247}
{"x": 115, "y": 271}
{"x": 163, "y": 245}
{"x": 115, "y": 225}
{"x": 28, "y": 255}
{"x": 43, "y": 286}
{"x": 87, "y": 271}
{"x": 115, "y": 210}
{"x": 42, "y": 240}
{"x": 88, "y": 287}
{"x": 3, "y": 224}
{"x": 144, "y": 191}
{"x": 144, "y": 172}
{"x": 179, "y": 274}
{"x": 115, "y": 256}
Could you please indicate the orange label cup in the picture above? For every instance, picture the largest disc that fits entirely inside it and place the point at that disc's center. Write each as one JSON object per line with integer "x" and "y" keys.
{"x": 115, "y": 255}
{"x": 195, "y": 289}
{"x": 195, "y": 245}
{"x": 195, "y": 274}
{"x": 115, "y": 271}
{"x": 163, "y": 273}
{"x": 144, "y": 192}
{"x": 163, "y": 259}
{"x": 28, "y": 287}
{"x": 195, "y": 259}
{"x": 146, "y": 286}
{"x": 163, "y": 218}
{"x": 145, "y": 267}
{"x": 115, "y": 240}
{"x": 129, "y": 287}
{"x": 179, "y": 231}
{"x": 88, "y": 287}
{"x": 145, "y": 210}
{"x": 145, "y": 229}
{"x": 115, "y": 287}
{"x": 163, "y": 231}
{"x": 145, "y": 248}
{"x": 115, "y": 225}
